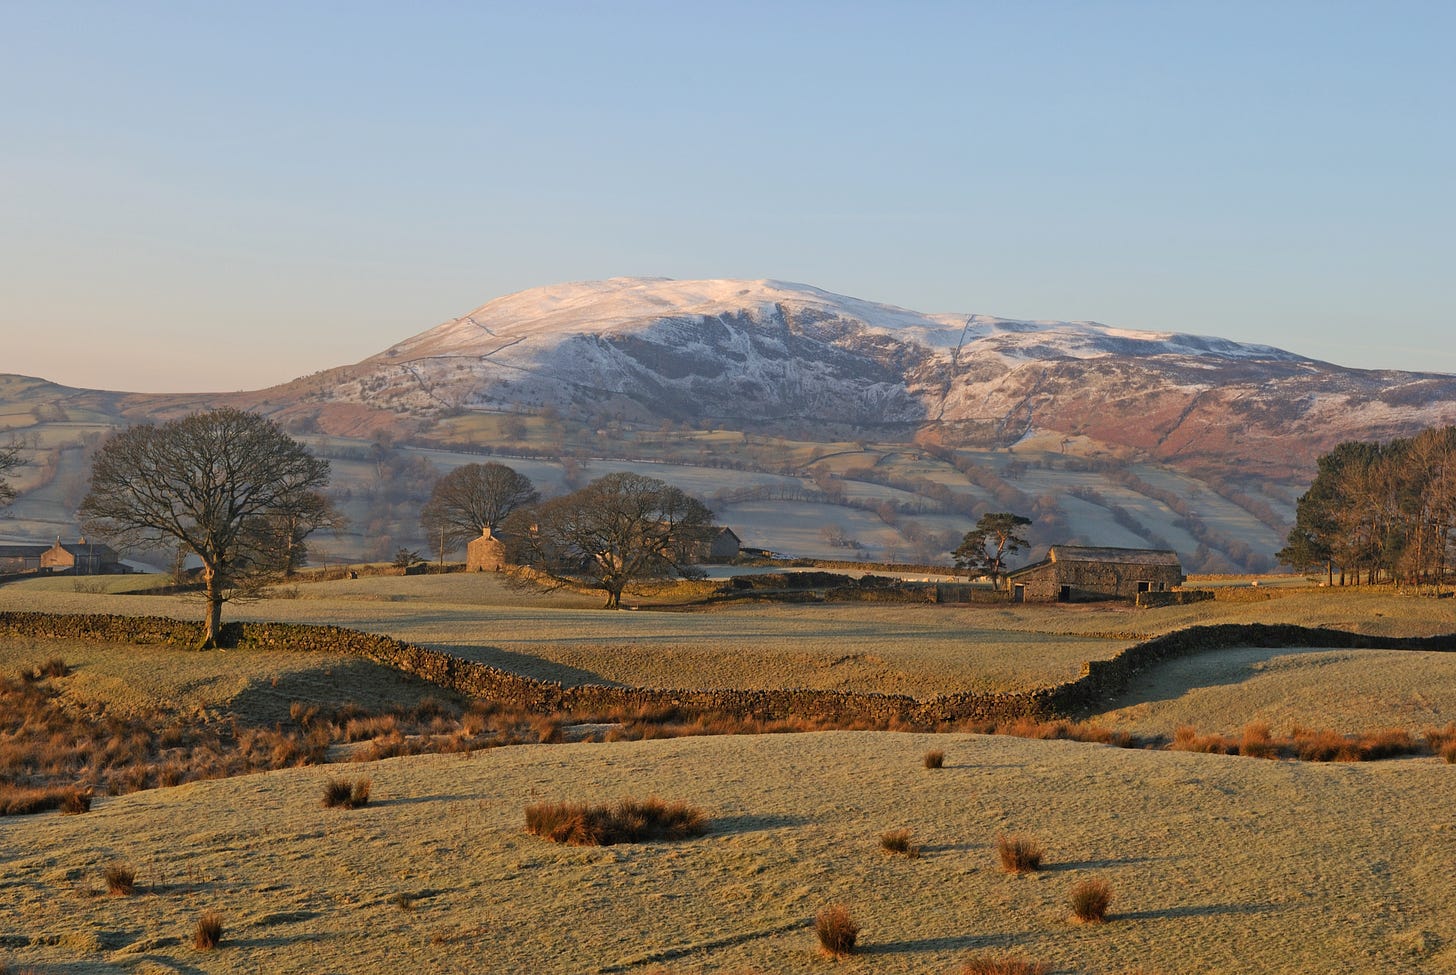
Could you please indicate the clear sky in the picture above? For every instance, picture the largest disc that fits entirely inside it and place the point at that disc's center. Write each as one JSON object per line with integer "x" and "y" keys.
{"x": 219, "y": 196}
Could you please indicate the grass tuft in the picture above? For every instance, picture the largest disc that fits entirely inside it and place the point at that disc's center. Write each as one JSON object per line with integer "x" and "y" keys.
{"x": 836, "y": 931}
{"x": 346, "y": 793}
{"x": 1018, "y": 854}
{"x": 935, "y": 759}
{"x": 898, "y": 841}
{"x": 208, "y": 933}
{"x": 627, "y": 821}
{"x": 1002, "y": 965}
{"x": 120, "y": 879}
{"x": 1090, "y": 899}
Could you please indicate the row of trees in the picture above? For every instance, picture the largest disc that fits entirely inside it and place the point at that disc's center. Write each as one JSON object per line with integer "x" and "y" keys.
{"x": 234, "y": 490}
{"x": 1380, "y": 511}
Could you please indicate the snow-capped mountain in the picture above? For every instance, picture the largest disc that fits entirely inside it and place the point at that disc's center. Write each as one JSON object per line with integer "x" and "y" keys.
{"x": 760, "y": 352}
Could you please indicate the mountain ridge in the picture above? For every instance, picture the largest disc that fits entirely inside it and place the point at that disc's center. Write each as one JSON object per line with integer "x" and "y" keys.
{"x": 771, "y": 353}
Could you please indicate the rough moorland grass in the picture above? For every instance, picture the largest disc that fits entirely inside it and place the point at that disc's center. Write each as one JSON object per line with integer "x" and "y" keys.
{"x": 836, "y": 930}
{"x": 1018, "y": 854}
{"x": 1090, "y": 900}
{"x": 934, "y": 759}
{"x": 899, "y": 841}
{"x": 1310, "y": 744}
{"x": 346, "y": 793}
{"x": 1002, "y": 965}
{"x": 626, "y": 821}
{"x": 120, "y": 879}
{"x": 207, "y": 935}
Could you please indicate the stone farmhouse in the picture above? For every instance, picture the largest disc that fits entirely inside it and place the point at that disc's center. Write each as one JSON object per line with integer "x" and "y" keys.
{"x": 1080, "y": 573}
{"x": 81, "y": 558}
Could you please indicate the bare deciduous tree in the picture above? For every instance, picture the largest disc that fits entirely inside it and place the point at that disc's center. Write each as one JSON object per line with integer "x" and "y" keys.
{"x": 215, "y": 483}
{"x": 472, "y": 498}
{"x": 619, "y": 529}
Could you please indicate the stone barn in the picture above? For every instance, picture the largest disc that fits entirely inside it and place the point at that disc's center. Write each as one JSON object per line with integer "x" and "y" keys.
{"x": 20, "y": 558}
{"x": 1080, "y": 573}
{"x": 485, "y": 554}
{"x": 722, "y": 545}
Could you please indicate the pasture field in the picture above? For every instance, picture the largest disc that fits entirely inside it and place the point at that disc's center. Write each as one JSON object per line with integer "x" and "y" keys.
{"x": 1348, "y": 691}
{"x": 920, "y": 650}
{"x": 258, "y": 687}
{"x": 1216, "y": 864}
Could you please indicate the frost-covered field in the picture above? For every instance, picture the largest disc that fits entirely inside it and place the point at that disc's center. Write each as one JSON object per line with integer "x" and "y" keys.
{"x": 1216, "y": 864}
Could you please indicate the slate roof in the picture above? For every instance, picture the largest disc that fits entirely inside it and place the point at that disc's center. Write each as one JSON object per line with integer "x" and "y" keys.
{"x": 1120, "y": 556}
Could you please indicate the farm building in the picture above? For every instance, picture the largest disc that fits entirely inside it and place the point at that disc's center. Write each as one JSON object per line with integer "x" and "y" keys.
{"x": 721, "y": 545}
{"x": 82, "y": 558}
{"x": 21, "y": 558}
{"x": 1078, "y": 573}
{"x": 485, "y": 554}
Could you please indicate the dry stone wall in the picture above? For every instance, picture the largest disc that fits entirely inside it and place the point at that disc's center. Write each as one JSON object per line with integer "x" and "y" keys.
{"x": 1100, "y": 680}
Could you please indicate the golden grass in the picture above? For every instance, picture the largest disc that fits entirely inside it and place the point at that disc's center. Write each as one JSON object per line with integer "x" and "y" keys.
{"x": 1213, "y": 860}
{"x": 917, "y": 650}
{"x": 1018, "y": 854}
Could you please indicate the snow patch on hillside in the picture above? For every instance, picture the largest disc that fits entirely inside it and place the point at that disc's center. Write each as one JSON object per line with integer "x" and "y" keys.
{"x": 514, "y": 325}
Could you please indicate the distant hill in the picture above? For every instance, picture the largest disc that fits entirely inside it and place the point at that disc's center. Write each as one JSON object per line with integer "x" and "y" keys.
{"x": 609, "y": 369}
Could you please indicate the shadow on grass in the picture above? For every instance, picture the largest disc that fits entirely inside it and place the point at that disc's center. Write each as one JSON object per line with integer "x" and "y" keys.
{"x": 959, "y": 942}
{"x": 755, "y": 824}
{"x": 371, "y": 686}
{"x": 1177, "y": 677}
{"x": 417, "y": 800}
{"x": 1199, "y": 910}
{"x": 1053, "y": 867}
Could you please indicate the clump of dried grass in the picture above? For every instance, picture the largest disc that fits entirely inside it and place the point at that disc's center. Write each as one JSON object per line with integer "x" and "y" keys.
{"x": 935, "y": 759}
{"x": 207, "y": 935}
{"x": 899, "y": 841}
{"x": 1002, "y": 965}
{"x": 120, "y": 879}
{"x": 52, "y": 668}
{"x": 626, "y": 821}
{"x": 1187, "y": 739}
{"x": 1256, "y": 741}
{"x": 1018, "y": 853}
{"x": 836, "y": 930}
{"x": 1090, "y": 900}
{"x": 346, "y": 793}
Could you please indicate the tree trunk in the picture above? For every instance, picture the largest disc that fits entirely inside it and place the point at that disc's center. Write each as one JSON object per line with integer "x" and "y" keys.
{"x": 212, "y": 623}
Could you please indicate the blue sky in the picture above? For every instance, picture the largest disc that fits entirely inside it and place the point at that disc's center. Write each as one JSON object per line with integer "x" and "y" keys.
{"x": 223, "y": 196}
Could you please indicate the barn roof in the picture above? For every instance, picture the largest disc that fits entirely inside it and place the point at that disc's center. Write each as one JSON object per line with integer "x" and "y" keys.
{"x": 1121, "y": 556}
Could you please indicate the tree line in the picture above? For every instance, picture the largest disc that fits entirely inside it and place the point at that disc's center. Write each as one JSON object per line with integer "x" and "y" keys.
{"x": 1380, "y": 511}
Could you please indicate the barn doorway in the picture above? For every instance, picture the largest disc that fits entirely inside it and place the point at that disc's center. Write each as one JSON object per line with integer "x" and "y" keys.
{"x": 1018, "y": 593}
{"x": 1064, "y": 595}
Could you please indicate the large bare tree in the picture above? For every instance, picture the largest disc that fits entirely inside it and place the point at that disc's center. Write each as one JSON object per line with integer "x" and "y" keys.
{"x": 619, "y": 529}
{"x": 217, "y": 483}
{"x": 472, "y": 498}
